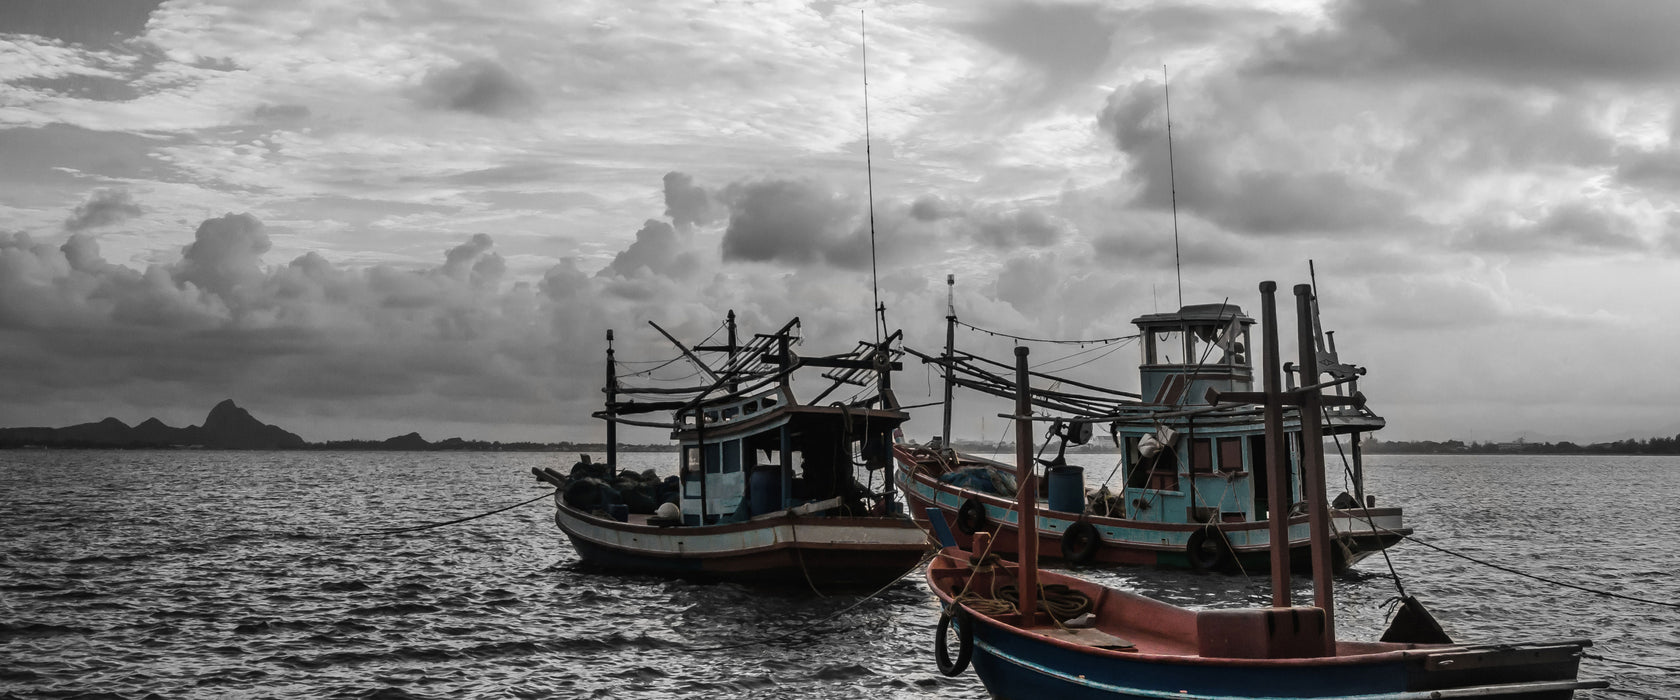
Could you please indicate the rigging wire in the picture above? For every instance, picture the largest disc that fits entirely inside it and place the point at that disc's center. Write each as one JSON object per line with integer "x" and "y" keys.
{"x": 1045, "y": 366}
{"x": 1173, "y": 179}
{"x": 1088, "y": 341}
{"x": 877, "y": 310}
{"x": 1111, "y": 351}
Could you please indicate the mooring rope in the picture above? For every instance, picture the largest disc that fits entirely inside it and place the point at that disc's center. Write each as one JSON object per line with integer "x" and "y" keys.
{"x": 1509, "y": 570}
{"x": 835, "y": 614}
{"x": 1611, "y": 659}
{"x": 428, "y": 526}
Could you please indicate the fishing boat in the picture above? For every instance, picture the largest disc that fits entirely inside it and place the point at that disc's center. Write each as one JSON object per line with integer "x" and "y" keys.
{"x": 1035, "y": 634}
{"x": 1194, "y": 491}
{"x": 770, "y": 488}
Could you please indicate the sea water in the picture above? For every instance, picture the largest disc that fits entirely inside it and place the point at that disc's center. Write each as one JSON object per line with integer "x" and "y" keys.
{"x": 255, "y": 574}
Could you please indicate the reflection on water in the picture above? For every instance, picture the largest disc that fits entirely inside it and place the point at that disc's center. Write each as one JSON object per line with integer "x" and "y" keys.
{"x": 228, "y": 573}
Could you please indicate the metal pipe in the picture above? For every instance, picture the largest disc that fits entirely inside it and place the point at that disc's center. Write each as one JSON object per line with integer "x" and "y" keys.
{"x": 1312, "y": 465}
{"x": 1026, "y": 496}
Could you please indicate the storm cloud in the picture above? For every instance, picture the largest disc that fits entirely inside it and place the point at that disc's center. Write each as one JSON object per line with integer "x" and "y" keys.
{"x": 478, "y": 86}
{"x": 103, "y": 208}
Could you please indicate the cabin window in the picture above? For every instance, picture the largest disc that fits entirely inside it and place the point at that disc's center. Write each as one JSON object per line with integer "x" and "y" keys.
{"x": 732, "y": 456}
{"x": 690, "y": 459}
{"x": 750, "y": 408}
{"x": 731, "y": 412}
{"x": 714, "y": 458}
{"x": 769, "y": 402}
{"x": 1166, "y": 347}
{"x": 1230, "y": 454}
{"x": 1159, "y": 472}
{"x": 1201, "y": 456}
{"x": 711, "y": 416}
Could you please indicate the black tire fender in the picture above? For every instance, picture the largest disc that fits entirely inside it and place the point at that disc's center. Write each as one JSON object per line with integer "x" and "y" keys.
{"x": 1208, "y": 550}
{"x": 1080, "y": 542}
{"x": 965, "y": 642}
{"x": 971, "y": 518}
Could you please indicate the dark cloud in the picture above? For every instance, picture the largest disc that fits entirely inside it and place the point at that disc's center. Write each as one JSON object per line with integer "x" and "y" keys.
{"x": 1543, "y": 41}
{"x": 1477, "y": 132}
{"x": 98, "y": 88}
{"x": 1570, "y": 227}
{"x": 1241, "y": 197}
{"x": 510, "y": 174}
{"x": 225, "y": 255}
{"x": 1655, "y": 169}
{"x": 281, "y": 113}
{"x": 102, "y": 208}
{"x": 791, "y": 221}
{"x": 478, "y": 86}
{"x": 1064, "y": 42}
{"x": 656, "y": 250}
{"x": 1025, "y": 227}
{"x": 929, "y": 208}
{"x": 474, "y": 263}
{"x": 686, "y": 203}
{"x": 90, "y": 22}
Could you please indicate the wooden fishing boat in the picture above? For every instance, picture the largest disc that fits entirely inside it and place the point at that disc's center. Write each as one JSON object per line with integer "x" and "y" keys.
{"x": 1194, "y": 492}
{"x": 1034, "y": 634}
{"x": 770, "y": 489}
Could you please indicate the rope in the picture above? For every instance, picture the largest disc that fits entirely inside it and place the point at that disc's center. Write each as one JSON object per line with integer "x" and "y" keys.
{"x": 1347, "y": 473}
{"x": 1601, "y": 657}
{"x": 1542, "y": 579}
{"x": 793, "y": 530}
{"x": 835, "y": 614}
{"x": 1089, "y": 341}
{"x": 428, "y": 526}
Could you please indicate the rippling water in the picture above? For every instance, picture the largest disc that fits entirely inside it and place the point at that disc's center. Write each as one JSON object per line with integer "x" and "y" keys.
{"x": 209, "y": 574}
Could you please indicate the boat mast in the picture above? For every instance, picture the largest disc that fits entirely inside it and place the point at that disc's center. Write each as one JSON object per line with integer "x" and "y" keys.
{"x": 612, "y": 397}
{"x": 1277, "y": 453}
{"x": 733, "y": 385}
{"x": 1312, "y": 463}
{"x": 950, "y": 351}
{"x": 1026, "y": 495}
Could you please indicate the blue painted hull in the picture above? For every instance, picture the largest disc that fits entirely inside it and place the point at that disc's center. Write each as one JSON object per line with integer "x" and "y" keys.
{"x": 1013, "y": 667}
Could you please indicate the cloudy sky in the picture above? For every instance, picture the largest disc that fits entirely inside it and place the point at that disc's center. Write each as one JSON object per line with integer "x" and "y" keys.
{"x": 360, "y": 219}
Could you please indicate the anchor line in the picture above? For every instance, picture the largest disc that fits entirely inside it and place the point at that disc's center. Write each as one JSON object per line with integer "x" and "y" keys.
{"x": 428, "y": 526}
{"x": 831, "y": 616}
{"x": 1612, "y": 659}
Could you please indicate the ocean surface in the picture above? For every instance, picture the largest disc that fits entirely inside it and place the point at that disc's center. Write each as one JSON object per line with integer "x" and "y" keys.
{"x": 252, "y": 574}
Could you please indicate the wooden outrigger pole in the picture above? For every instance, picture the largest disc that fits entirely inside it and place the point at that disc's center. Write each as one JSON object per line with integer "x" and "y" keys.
{"x": 1026, "y": 496}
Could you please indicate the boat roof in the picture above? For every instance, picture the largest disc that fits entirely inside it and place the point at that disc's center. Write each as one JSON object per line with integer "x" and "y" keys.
{"x": 1194, "y": 313}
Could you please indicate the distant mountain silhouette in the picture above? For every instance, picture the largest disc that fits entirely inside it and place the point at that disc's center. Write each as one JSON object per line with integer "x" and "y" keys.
{"x": 411, "y": 441}
{"x": 228, "y": 427}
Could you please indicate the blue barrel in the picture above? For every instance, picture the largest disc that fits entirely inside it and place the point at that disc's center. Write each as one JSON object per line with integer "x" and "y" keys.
{"x": 1067, "y": 489}
{"x": 766, "y": 487}
{"x": 619, "y": 512}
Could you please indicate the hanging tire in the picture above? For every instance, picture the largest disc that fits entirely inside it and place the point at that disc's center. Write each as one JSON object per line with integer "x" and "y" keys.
{"x": 1080, "y": 542}
{"x": 965, "y": 642}
{"x": 971, "y": 518}
{"x": 1208, "y": 550}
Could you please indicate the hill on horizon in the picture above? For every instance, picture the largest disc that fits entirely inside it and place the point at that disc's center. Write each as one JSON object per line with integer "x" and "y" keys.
{"x": 227, "y": 427}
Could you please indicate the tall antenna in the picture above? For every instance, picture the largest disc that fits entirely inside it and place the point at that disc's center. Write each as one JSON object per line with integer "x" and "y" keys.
{"x": 1172, "y": 177}
{"x": 879, "y": 311}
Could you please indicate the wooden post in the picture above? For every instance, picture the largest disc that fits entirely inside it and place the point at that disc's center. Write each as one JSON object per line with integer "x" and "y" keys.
{"x": 1277, "y": 452}
{"x": 1312, "y": 465}
{"x": 950, "y": 353}
{"x": 1026, "y": 495}
{"x": 612, "y": 397}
